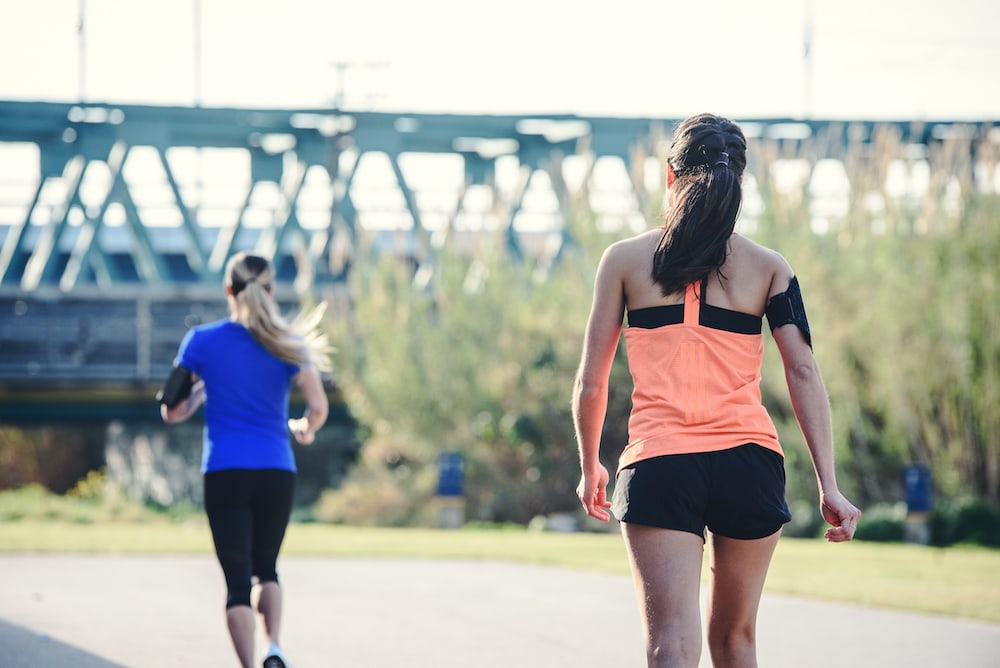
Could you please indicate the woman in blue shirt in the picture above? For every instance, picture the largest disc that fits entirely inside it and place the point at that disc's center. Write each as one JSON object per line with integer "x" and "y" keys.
{"x": 242, "y": 369}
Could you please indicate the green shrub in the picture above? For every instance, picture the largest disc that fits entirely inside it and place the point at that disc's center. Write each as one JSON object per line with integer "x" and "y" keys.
{"x": 965, "y": 520}
{"x": 883, "y": 523}
{"x": 806, "y": 521}
{"x": 91, "y": 501}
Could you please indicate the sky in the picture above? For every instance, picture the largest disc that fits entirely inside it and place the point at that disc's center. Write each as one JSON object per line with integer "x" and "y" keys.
{"x": 905, "y": 59}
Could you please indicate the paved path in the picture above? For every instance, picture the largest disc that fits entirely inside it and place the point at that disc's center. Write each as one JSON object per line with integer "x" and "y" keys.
{"x": 158, "y": 612}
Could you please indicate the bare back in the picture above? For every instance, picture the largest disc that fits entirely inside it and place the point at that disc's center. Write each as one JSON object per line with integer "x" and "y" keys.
{"x": 753, "y": 273}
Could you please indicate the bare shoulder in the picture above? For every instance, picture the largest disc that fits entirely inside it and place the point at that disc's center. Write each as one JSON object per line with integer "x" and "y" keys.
{"x": 626, "y": 252}
{"x": 767, "y": 261}
{"x": 757, "y": 253}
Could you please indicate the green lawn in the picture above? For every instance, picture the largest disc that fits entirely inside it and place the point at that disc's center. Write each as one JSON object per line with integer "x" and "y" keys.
{"x": 963, "y": 582}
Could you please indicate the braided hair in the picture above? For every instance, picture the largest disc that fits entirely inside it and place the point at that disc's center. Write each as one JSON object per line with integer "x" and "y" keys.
{"x": 708, "y": 155}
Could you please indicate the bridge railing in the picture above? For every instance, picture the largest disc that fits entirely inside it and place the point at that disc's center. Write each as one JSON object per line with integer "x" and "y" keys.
{"x": 92, "y": 356}
{"x": 83, "y": 338}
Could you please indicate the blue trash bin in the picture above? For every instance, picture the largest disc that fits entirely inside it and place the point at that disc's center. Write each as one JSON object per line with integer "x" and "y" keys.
{"x": 917, "y": 483}
{"x": 450, "y": 488}
{"x": 451, "y": 474}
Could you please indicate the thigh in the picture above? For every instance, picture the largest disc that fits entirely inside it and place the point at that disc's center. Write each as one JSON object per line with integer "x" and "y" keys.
{"x": 231, "y": 521}
{"x": 227, "y": 505}
{"x": 739, "y": 568}
{"x": 272, "y": 508}
{"x": 666, "y": 569}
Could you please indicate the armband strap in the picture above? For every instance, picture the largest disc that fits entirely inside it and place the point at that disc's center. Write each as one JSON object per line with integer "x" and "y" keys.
{"x": 177, "y": 388}
{"x": 787, "y": 308}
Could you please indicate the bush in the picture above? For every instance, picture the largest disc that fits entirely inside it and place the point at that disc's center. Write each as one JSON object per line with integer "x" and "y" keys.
{"x": 965, "y": 521}
{"x": 55, "y": 458}
{"x": 806, "y": 521}
{"x": 91, "y": 501}
{"x": 436, "y": 372}
{"x": 883, "y": 523}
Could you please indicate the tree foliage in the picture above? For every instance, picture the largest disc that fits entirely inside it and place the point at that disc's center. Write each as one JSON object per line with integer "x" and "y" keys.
{"x": 481, "y": 365}
{"x": 902, "y": 294}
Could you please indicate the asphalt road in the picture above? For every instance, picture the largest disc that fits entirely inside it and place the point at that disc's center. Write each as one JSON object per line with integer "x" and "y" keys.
{"x": 156, "y": 612}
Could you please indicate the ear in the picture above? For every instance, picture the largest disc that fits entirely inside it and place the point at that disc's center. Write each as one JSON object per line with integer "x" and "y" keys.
{"x": 229, "y": 290}
{"x": 671, "y": 176}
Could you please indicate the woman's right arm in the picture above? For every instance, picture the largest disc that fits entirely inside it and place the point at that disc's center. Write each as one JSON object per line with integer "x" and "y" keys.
{"x": 187, "y": 406}
{"x": 812, "y": 411}
{"x": 590, "y": 390}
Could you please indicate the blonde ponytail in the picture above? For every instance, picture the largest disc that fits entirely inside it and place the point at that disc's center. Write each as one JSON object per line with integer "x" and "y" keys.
{"x": 302, "y": 342}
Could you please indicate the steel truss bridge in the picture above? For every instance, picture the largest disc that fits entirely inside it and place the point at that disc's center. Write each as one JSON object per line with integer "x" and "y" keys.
{"x": 116, "y": 220}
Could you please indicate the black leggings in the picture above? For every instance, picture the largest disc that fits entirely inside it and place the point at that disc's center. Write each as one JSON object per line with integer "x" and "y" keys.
{"x": 248, "y": 511}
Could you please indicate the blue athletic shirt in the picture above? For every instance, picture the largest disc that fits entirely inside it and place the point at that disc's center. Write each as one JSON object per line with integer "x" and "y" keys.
{"x": 246, "y": 398}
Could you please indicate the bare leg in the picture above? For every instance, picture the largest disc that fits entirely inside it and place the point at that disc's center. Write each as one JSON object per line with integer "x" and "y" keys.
{"x": 269, "y": 606}
{"x": 666, "y": 569}
{"x": 240, "y": 620}
{"x": 739, "y": 568}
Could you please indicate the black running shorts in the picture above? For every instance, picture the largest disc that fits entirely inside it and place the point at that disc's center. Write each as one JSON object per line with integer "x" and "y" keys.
{"x": 736, "y": 493}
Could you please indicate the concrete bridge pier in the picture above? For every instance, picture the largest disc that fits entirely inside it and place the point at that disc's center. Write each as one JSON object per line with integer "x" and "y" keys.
{"x": 158, "y": 464}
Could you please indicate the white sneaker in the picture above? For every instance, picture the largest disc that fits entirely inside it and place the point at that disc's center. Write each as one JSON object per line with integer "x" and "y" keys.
{"x": 274, "y": 658}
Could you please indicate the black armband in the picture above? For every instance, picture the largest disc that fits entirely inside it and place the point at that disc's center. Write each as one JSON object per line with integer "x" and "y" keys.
{"x": 177, "y": 388}
{"x": 787, "y": 308}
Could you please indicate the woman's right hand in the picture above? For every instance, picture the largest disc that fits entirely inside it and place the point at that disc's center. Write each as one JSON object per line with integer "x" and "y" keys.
{"x": 841, "y": 515}
{"x": 593, "y": 494}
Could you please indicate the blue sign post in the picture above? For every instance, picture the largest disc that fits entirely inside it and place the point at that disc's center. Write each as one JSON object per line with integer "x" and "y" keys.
{"x": 451, "y": 474}
{"x": 917, "y": 485}
{"x": 450, "y": 490}
{"x": 917, "y": 480}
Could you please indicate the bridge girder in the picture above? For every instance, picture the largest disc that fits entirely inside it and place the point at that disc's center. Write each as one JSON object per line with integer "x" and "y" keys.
{"x": 80, "y": 315}
{"x": 61, "y": 245}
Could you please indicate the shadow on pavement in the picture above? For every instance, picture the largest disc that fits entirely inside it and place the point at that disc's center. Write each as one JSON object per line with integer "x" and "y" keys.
{"x": 24, "y": 648}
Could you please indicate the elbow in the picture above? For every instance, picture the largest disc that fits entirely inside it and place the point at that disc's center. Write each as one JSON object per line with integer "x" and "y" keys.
{"x": 803, "y": 371}
{"x": 803, "y": 374}
{"x": 319, "y": 411}
{"x": 586, "y": 389}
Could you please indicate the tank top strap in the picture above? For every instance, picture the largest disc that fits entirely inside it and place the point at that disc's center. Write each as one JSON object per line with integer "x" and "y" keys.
{"x": 692, "y": 303}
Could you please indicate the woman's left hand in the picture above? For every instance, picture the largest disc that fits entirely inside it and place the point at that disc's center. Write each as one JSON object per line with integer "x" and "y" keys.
{"x": 840, "y": 514}
{"x": 301, "y": 431}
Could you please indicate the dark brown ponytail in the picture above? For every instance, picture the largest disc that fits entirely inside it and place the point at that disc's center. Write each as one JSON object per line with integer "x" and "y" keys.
{"x": 708, "y": 156}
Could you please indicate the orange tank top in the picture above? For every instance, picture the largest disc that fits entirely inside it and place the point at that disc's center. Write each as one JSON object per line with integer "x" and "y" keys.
{"x": 696, "y": 387}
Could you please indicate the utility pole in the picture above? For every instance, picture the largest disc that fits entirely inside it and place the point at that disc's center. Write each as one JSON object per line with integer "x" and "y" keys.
{"x": 81, "y": 43}
{"x": 807, "y": 61}
{"x": 341, "y": 67}
{"x": 196, "y": 19}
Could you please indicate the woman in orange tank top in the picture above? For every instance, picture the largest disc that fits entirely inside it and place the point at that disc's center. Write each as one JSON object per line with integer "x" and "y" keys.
{"x": 702, "y": 451}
